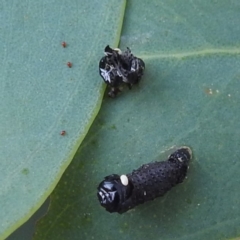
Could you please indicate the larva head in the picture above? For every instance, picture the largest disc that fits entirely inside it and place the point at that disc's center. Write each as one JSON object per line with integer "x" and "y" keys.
{"x": 112, "y": 192}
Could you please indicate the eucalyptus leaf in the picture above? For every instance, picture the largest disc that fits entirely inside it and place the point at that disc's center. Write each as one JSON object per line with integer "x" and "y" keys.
{"x": 189, "y": 95}
{"x": 40, "y": 96}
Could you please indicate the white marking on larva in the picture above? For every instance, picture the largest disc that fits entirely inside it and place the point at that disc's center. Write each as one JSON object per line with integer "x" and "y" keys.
{"x": 180, "y": 159}
{"x": 119, "y": 73}
{"x": 124, "y": 180}
{"x": 105, "y": 74}
{"x": 124, "y": 79}
{"x": 145, "y": 193}
{"x": 118, "y": 50}
{"x": 133, "y": 69}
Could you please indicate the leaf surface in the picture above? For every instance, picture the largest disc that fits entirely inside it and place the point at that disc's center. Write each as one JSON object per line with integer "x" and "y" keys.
{"x": 40, "y": 96}
{"x": 189, "y": 96}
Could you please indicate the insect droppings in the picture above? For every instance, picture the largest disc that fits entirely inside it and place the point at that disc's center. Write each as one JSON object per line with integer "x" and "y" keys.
{"x": 118, "y": 68}
{"x": 64, "y": 44}
{"x": 120, "y": 193}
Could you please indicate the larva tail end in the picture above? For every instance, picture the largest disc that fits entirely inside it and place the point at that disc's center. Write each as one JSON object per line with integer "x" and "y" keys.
{"x": 182, "y": 155}
{"x": 187, "y": 150}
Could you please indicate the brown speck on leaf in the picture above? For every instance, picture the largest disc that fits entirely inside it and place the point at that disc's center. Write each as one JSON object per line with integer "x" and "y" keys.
{"x": 63, "y": 133}
{"x": 69, "y": 64}
{"x": 64, "y": 44}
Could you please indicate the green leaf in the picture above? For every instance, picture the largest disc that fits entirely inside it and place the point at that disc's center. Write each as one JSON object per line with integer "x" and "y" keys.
{"x": 188, "y": 96}
{"x": 40, "y": 96}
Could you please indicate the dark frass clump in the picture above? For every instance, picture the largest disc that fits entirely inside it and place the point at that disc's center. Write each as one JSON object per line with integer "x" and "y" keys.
{"x": 120, "y": 193}
{"x": 118, "y": 68}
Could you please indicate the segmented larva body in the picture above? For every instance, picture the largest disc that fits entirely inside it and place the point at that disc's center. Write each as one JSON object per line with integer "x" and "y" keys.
{"x": 121, "y": 193}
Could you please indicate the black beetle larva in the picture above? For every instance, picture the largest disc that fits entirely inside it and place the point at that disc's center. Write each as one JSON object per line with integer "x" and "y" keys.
{"x": 118, "y": 67}
{"x": 121, "y": 193}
